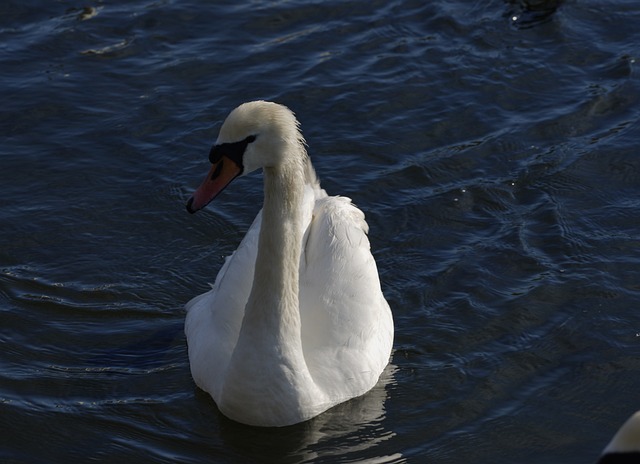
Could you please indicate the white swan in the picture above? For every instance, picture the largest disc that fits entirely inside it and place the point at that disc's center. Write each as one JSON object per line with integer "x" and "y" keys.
{"x": 296, "y": 321}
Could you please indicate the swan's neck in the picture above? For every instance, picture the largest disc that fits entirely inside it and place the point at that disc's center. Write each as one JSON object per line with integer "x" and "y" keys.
{"x": 268, "y": 360}
{"x": 273, "y": 306}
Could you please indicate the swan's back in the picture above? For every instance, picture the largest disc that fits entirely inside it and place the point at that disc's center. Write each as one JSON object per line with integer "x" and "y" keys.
{"x": 347, "y": 329}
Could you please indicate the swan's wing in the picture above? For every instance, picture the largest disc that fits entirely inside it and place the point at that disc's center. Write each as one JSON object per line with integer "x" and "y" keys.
{"x": 214, "y": 318}
{"x": 347, "y": 328}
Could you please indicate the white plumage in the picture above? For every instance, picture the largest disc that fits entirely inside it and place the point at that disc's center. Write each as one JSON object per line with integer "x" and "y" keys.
{"x": 296, "y": 321}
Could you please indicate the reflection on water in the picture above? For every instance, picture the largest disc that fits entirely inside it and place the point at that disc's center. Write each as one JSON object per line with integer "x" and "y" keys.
{"x": 354, "y": 428}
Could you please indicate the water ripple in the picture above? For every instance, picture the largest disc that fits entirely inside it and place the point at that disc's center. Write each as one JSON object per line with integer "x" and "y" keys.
{"x": 492, "y": 146}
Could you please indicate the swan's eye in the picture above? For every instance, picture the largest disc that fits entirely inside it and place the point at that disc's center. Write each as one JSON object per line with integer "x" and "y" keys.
{"x": 250, "y": 139}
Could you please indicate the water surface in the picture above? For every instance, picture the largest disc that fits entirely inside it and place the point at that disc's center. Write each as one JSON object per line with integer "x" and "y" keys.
{"x": 492, "y": 146}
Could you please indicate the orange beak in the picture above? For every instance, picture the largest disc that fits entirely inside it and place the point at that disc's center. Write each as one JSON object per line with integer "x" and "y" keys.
{"x": 220, "y": 175}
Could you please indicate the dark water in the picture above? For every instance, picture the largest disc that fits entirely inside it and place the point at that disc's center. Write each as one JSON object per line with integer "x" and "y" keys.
{"x": 492, "y": 145}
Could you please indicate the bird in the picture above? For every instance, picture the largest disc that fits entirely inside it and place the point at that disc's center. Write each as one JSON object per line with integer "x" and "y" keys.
{"x": 296, "y": 321}
{"x": 624, "y": 447}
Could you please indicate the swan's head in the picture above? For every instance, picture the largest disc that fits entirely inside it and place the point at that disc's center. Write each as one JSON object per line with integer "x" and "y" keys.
{"x": 255, "y": 135}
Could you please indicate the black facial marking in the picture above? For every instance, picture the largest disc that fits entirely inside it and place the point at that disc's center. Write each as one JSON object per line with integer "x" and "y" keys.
{"x": 215, "y": 154}
{"x": 217, "y": 172}
{"x": 234, "y": 151}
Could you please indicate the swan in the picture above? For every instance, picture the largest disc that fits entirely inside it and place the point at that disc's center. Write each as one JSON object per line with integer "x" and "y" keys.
{"x": 296, "y": 321}
{"x": 625, "y": 444}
